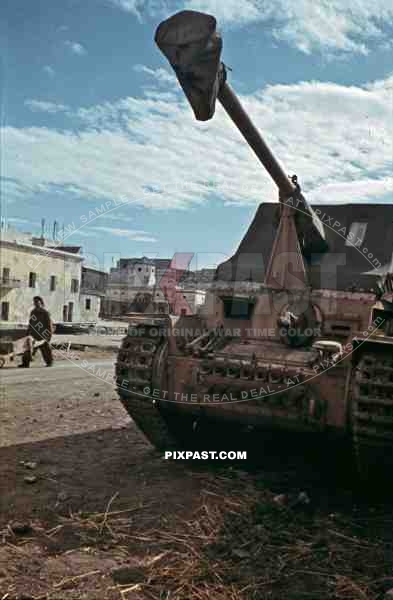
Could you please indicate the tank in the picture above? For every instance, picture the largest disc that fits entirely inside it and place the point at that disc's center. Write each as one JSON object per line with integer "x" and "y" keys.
{"x": 273, "y": 349}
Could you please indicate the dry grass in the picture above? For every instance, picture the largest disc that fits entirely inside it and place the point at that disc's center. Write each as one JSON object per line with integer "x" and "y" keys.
{"x": 239, "y": 544}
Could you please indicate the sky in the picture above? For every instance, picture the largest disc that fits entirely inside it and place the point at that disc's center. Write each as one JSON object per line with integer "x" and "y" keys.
{"x": 92, "y": 116}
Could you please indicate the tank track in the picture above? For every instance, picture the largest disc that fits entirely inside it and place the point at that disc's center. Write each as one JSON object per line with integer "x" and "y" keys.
{"x": 372, "y": 415}
{"x": 141, "y": 365}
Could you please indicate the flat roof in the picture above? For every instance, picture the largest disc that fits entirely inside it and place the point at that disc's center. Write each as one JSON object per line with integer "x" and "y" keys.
{"x": 44, "y": 250}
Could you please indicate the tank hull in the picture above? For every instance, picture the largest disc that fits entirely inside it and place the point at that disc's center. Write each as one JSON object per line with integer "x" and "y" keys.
{"x": 256, "y": 385}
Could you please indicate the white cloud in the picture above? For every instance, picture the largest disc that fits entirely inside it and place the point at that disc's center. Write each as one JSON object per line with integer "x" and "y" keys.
{"x": 365, "y": 190}
{"x": 116, "y": 216}
{"x": 19, "y": 221}
{"x": 49, "y": 70}
{"x": 152, "y": 8}
{"x": 159, "y": 75}
{"x": 131, "y": 234}
{"x": 151, "y": 152}
{"x": 48, "y": 107}
{"x": 231, "y": 11}
{"x": 131, "y": 6}
{"x": 82, "y": 232}
{"x": 325, "y": 25}
{"x": 75, "y": 47}
{"x": 12, "y": 191}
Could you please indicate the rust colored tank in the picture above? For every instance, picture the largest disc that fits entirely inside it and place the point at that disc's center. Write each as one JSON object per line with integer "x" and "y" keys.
{"x": 290, "y": 338}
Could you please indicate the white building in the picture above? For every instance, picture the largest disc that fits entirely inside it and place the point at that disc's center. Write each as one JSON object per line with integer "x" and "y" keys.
{"x": 93, "y": 288}
{"x": 150, "y": 285}
{"x": 134, "y": 272}
{"x": 189, "y": 301}
{"x": 29, "y": 268}
{"x": 130, "y": 286}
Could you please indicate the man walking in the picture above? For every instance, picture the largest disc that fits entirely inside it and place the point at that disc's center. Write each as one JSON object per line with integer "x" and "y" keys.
{"x": 40, "y": 329}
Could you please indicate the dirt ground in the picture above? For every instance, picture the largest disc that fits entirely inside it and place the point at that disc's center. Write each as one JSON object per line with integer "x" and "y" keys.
{"x": 88, "y": 510}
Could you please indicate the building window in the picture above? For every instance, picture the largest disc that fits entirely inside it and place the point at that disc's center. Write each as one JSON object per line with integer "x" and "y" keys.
{"x": 88, "y": 304}
{"x": 74, "y": 286}
{"x": 238, "y": 308}
{"x": 32, "y": 280}
{"x": 356, "y": 235}
{"x": 52, "y": 285}
{"x": 5, "y": 311}
{"x": 6, "y": 274}
{"x": 70, "y": 312}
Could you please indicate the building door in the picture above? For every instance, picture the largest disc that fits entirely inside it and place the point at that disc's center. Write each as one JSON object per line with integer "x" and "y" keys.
{"x": 70, "y": 311}
{"x": 65, "y": 313}
{"x": 5, "y": 311}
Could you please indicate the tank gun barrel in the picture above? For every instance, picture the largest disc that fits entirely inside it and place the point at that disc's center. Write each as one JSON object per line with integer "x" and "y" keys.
{"x": 193, "y": 47}
{"x": 235, "y": 110}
